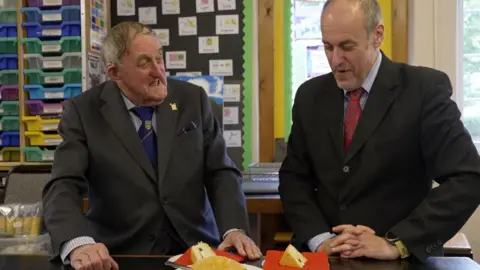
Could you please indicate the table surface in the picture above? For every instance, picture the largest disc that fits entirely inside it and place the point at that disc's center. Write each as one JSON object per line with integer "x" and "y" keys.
{"x": 29, "y": 262}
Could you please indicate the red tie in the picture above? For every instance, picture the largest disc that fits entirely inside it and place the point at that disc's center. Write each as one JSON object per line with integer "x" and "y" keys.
{"x": 352, "y": 114}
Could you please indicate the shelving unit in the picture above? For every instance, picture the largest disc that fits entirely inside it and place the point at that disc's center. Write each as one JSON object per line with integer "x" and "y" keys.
{"x": 44, "y": 58}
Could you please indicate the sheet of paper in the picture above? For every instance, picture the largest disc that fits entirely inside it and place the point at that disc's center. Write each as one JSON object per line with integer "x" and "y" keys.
{"x": 208, "y": 44}
{"x": 230, "y": 115}
{"x": 221, "y": 67}
{"x": 226, "y": 5}
{"x": 167, "y": 73}
{"x": 231, "y": 92}
{"x": 163, "y": 35}
{"x": 176, "y": 60}
{"x": 171, "y": 7}
{"x": 226, "y": 24}
{"x": 233, "y": 138}
{"x": 205, "y": 6}
{"x": 147, "y": 15}
{"x": 125, "y": 7}
{"x": 187, "y": 26}
{"x": 191, "y": 73}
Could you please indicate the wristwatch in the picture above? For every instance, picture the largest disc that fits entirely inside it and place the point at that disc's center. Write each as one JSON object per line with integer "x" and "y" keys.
{"x": 395, "y": 241}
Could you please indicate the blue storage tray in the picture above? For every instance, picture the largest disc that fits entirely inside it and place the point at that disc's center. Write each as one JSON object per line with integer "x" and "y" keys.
{"x": 8, "y": 30}
{"x": 8, "y": 61}
{"x": 65, "y": 29}
{"x": 10, "y": 138}
{"x": 38, "y": 92}
{"x": 67, "y": 13}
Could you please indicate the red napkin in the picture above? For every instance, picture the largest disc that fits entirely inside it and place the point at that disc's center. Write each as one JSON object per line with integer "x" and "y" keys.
{"x": 186, "y": 260}
{"x": 317, "y": 261}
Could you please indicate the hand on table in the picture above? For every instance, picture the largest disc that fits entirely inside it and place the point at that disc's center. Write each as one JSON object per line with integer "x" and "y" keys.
{"x": 361, "y": 241}
{"x": 92, "y": 257}
{"x": 242, "y": 243}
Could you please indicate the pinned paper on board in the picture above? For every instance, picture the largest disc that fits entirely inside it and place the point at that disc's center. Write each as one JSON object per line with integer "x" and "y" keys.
{"x": 205, "y": 6}
{"x": 125, "y": 7}
{"x": 187, "y": 26}
{"x": 230, "y": 115}
{"x": 233, "y": 138}
{"x": 231, "y": 92}
{"x": 226, "y": 24}
{"x": 147, "y": 15}
{"x": 170, "y": 7}
{"x": 163, "y": 35}
{"x": 176, "y": 60}
{"x": 191, "y": 73}
{"x": 226, "y": 5}
{"x": 221, "y": 67}
{"x": 208, "y": 44}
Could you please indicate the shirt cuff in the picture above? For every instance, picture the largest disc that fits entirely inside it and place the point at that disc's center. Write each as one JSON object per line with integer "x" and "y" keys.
{"x": 69, "y": 246}
{"x": 316, "y": 241}
{"x": 231, "y": 230}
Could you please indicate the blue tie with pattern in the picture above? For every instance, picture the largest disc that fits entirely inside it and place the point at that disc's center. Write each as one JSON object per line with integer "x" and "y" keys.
{"x": 147, "y": 133}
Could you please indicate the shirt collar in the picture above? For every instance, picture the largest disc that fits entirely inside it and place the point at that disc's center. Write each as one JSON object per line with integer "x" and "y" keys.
{"x": 128, "y": 103}
{"x": 372, "y": 74}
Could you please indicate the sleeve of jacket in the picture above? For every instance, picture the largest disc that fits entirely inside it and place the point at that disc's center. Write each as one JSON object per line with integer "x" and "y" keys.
{"x": 451, "y": 160}
{"x": 222, "y": 178}
{"x": 62, "y": 195}
{"x": 297, "y": 191}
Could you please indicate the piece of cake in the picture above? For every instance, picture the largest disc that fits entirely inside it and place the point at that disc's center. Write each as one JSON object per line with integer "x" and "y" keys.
{"x": 218, "y": 263}
{"x": 200, "y": 251}
{"x": 293, "y": 258}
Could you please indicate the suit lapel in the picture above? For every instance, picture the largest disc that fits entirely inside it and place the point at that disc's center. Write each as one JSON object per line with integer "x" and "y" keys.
{"x": 379, "y": 100}
{"x": 333, "y": 99}
{"x": 166, "y": 114}
{"x": 117, "y": 116}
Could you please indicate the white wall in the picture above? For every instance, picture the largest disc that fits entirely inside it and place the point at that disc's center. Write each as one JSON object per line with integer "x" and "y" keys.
{"x": 432, "y": 36}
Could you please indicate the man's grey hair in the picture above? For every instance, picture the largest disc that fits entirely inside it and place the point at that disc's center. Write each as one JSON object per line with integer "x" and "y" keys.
{"x": 371, "y": 10}
{"x": 118, "y": 40}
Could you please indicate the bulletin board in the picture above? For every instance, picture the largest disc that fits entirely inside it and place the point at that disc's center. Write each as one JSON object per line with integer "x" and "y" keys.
{"x": 211, "y": 38}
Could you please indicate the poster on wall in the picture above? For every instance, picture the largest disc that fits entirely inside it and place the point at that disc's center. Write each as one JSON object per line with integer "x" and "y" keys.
{"x": 96, "y": 74}
{"x": 317, "y": 62}
{"x": 98, "y": 24}
{"x": 307, "y": 19}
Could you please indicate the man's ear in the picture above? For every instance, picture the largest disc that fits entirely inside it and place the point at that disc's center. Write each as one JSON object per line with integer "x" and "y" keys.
{"x": 378, "y": 36}
{"x": 112, "y": 72}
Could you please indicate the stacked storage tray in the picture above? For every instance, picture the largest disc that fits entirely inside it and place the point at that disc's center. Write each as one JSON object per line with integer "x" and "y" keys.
{"x": 9, "y": 102}
{"x": 53, "y": 71}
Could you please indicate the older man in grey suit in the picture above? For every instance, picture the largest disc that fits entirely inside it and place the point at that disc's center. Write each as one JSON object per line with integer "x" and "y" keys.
{"x": 158, "y": 176}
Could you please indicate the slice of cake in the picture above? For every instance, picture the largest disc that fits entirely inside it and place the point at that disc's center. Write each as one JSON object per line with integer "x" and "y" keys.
{"x": 291, "y": 257}
{"x": 200, "y": 251}
{"x": 218, "y": 263}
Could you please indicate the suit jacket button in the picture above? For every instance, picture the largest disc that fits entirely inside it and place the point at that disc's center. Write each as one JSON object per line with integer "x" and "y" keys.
{"x": 343, "y": 207}
{"x": 346, "y": 169}
{"x": 428, "y": 250}
{"x": 151, "y": 237}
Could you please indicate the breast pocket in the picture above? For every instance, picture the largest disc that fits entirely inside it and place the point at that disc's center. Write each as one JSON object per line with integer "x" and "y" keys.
{"x": 190, "y": 143}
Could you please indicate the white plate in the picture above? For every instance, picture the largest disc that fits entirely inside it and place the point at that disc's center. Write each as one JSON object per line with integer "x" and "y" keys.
{"x": 249, "y": 267}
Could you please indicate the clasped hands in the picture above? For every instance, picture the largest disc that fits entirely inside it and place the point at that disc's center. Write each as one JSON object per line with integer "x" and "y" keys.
{"x": 359, "y": 241}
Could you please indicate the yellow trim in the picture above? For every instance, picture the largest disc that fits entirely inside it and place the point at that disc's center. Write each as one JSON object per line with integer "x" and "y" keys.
{"x": 386, "y": 6}
{"x": 278, "y": 62}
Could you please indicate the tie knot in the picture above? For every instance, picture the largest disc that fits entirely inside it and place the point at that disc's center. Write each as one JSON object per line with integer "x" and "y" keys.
{"x": 144, "y": 113}
{"x": 355, "y": 95}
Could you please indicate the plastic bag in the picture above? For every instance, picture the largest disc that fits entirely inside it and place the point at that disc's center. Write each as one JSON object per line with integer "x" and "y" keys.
{"x": 39, "y": 245}
{"x": 20, "y": 220}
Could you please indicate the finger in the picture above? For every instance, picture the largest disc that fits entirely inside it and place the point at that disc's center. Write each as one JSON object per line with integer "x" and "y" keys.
{"x": 353, "y": 242}
{"x": 353, "y": 254}
{"x": 366, "y": 229}
{"x": 114, "y": 264}
{"x": 343, "y": 248}
{"x": 339, "y": 240}
{"x": 85, "y": 261}
{"x": 258, "y": 252}
{"x": 353, "y": 230}
{"x": 77, "y": 264}
{"x": 238, "y": 244}
{"x": 340, "y": 228}
{"x": 105, "y": 258}
{"x": 95, "y": 260}
{"x": 223, "y": 246}
{"x": 346, "y": 254}
{"x": 247, "y": 245}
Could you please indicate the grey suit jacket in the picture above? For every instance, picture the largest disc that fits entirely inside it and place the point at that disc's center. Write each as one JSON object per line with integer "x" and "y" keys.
{"x": 195, "y": 181}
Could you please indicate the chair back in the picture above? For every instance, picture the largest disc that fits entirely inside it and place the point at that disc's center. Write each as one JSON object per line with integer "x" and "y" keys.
{"x": 25, "y": 183}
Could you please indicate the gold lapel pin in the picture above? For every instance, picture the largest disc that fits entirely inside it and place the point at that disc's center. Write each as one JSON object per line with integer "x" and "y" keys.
{"x": 174, "y": 106}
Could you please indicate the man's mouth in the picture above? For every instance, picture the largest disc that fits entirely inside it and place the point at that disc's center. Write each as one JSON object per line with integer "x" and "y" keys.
{"x": 155, "y": 82}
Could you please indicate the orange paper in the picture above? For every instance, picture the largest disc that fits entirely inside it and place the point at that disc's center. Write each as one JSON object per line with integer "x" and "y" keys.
{"x": 317, "y": 261}
{"x": 186, "y": 260}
